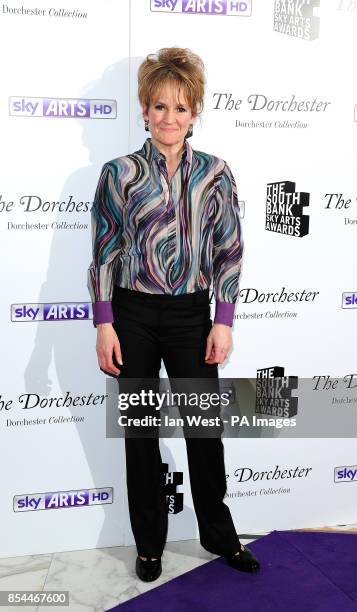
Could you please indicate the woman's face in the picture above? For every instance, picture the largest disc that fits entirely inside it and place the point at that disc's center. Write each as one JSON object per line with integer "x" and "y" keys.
{"x": 169, "y": 116}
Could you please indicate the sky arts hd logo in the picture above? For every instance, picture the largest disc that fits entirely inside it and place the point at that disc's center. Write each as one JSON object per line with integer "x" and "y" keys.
{"x": 53, "y": 311}
{"x": 296, "y": 18}
{"x": 349, "y": 299}
{"x": 345, "y": 473}
{"x": 68, "y": 108}
{"x": 54, "y": 500}
{"x": 204, "y": 7}
{"x": 284, "y": 209}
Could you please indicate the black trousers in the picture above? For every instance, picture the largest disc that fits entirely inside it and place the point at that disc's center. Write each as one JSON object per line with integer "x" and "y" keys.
{"x": 151, "y": 327}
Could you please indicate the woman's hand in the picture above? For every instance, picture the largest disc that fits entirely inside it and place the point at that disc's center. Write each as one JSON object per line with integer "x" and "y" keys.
{"x": 219, "y": 343}
{"x": 107, "y": 344}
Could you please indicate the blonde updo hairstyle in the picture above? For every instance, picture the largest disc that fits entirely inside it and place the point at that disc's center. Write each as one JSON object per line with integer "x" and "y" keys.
{"x": 173, "y": 65}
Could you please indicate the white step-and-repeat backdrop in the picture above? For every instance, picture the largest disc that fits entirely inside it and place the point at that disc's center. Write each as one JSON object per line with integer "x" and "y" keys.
{"x": 280, "y": 107}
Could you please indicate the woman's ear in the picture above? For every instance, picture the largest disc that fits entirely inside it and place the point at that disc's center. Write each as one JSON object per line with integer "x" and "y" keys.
{"x": 193, "y": 117}
{"x": 144, "y": 110}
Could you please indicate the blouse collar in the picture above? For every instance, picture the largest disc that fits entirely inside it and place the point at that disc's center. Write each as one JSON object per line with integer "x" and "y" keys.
{"x": 150, "y": 152}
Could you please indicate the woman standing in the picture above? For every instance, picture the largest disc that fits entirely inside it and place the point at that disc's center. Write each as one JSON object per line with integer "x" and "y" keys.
{"x": 165, "y": 223}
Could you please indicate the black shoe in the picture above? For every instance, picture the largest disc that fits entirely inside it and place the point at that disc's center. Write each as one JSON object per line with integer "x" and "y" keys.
{"x": 148, "y": 570}
{"x": 245, "y": 561}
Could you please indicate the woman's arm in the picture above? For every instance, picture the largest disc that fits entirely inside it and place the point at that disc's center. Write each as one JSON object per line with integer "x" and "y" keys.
{"x": 227, "y": 248}
{"x": 107, "y": 225}
{"x": 227, "y": 261}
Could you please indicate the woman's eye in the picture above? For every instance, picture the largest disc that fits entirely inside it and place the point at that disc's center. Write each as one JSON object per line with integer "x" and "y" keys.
{"x": 180, "y": 108}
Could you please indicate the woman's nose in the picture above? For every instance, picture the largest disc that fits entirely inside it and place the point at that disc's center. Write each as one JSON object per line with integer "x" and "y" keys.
{"x": 169, "y": 116}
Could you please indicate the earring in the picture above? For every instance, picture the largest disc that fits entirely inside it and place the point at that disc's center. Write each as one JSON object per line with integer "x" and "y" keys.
{"x": 146, "y": 122}
{"x": 189, "y": 131}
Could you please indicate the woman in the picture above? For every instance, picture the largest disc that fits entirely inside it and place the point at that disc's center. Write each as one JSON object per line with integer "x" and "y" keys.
{"x": 165, "y": 223}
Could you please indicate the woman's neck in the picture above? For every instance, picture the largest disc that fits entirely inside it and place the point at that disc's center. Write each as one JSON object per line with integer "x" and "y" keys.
{"x": 172, "y": 153}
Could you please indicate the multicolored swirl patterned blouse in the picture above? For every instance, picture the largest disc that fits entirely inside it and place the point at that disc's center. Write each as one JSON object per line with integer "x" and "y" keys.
{"x": 157, "y": 235}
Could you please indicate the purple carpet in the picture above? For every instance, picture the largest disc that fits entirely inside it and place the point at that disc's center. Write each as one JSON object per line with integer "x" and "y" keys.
{"x": 300, "y": 571}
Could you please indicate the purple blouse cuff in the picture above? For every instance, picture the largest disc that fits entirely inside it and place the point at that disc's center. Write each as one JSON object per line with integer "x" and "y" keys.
{"x": 102, "y": 312}
{"x": 224, "y": 313}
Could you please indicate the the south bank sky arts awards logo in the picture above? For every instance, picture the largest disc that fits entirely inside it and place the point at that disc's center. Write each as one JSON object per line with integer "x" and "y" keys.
{"x": 284, "y": 209}
{"x": 274, "y": 393}
{"x": 297, "y": 18}
{"x": 171, "y": 480}
{"x": 231, "y": 8}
